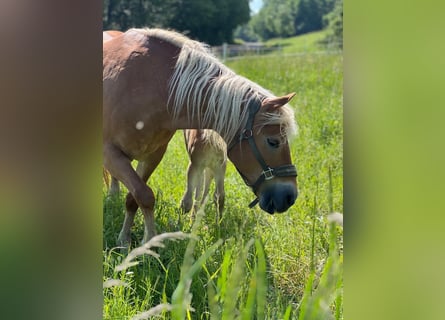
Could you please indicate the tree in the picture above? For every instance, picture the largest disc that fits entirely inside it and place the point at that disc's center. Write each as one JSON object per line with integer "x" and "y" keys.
{"x": 125, "y": 14}
{"x": 275, "y": 19}
{"x": 211, "y": 21}
{"x": 246, "y": 33}
{"x": 310, "y": 14}
{"x": 334, "y": 22}
{"x": 284, "y": 18}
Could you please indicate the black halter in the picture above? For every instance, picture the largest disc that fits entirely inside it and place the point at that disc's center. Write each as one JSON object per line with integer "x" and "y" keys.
{"x": 268, "y": 173}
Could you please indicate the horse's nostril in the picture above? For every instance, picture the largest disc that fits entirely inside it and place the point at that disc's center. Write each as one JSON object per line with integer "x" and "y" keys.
{"x": 278, "y": 198}
{"x": 290, "y": 199}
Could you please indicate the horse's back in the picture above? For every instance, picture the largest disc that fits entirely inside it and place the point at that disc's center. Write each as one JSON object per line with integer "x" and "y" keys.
{"x": 136, "y": 72}
{"x": 138, "y": 62}
{"x": 111, "y": 34}
{"x": 205, "y": 148}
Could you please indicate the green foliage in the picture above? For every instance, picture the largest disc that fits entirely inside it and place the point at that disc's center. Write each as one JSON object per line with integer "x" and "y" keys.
{"x": 278, "y": 18}
{"x": 309, "y": 16}
{"x": 211, "y": 21}
{"x": 285, "y": 266}
{"x": 334, "y": 21}
{"x": 125, "y": 14}
{"x": 246, "y": 33}
{"x": 215, "y": 21}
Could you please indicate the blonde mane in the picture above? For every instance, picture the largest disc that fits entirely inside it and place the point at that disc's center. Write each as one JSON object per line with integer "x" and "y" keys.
{"x": 200, "y": 78}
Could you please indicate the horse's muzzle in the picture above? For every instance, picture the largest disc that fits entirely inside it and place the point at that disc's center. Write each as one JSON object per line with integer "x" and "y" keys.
{"x": 277, "y": 197}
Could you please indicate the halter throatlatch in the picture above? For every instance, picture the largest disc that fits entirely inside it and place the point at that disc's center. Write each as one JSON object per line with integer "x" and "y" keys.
{"x": 268, "y": 173}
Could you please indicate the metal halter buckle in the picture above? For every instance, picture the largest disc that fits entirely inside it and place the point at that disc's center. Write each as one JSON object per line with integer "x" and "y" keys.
{"x": 268, "y": 174}
{"x": 246, "y": 134}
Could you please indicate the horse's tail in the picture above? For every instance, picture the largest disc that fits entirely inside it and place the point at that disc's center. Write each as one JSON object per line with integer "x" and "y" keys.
{"x": 106, "y": 177}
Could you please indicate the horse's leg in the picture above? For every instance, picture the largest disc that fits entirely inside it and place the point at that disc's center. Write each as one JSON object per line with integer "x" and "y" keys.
{"x": 219, "y": 195}
{"x": 200, "y": 183}
{"x": 131, "y": 208}
{"x": 208, "y": 176}
{"x": 114, "y": 187}
{"x": 119, "y": 166}
{"x": 192, "y": 181}
{"x": 144, "y": 170}
{"x": 142, "y": 196}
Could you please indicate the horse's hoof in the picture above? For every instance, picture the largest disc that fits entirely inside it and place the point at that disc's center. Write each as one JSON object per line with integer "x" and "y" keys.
{"x": 186, "y": 206}
{"x": 124, "y": 240}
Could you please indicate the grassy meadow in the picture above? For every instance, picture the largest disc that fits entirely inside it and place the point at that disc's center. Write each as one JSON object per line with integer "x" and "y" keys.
{"x": 308, "y": 43}
{"x": 249, "y": 265}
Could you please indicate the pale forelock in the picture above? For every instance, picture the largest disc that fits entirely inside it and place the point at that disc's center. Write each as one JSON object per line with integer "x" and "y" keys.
{"x": 284, "y": 117}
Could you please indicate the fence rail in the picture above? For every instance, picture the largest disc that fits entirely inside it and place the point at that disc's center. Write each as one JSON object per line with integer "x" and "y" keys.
{"x": 229, "y": 51}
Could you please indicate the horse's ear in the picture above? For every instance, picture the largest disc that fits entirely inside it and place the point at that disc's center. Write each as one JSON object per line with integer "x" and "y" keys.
{"x": 278, "y": 101}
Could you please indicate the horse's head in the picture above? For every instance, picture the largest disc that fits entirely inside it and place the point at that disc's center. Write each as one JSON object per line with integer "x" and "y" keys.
{"x": 262, "y": 156}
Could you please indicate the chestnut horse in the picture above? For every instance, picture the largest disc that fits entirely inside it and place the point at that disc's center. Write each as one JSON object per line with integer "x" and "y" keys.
{"x": 156, "y": 82}
{"x": 208, "y": 155}
{"x": 207, "y": 152}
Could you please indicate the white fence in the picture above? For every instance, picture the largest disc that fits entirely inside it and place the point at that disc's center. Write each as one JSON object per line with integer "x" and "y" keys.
{"x": 227, "y": 51}
{"x": 253, "y": 48}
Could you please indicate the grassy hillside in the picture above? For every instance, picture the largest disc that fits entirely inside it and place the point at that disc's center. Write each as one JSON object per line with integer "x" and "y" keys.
{"x": 285, "y": 266}
{"x": 310, "y": 42}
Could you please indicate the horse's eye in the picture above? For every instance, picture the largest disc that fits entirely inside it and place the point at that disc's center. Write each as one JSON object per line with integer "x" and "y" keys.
{"x": 274, "y": 143}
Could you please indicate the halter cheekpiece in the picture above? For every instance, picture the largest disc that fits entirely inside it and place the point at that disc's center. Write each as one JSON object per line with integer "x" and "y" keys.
{"x": 268, "y": 172}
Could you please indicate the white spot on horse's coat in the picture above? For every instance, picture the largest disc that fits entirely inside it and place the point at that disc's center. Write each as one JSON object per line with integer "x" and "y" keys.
{"x": 139, "y": 125}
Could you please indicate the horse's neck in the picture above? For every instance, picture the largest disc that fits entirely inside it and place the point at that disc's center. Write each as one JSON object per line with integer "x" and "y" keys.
{"x": 222, "y": 123}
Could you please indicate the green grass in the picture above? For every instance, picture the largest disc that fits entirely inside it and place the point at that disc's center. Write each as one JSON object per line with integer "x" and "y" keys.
{"x": 285, "y": 266}
{"x": 310, "y": 42}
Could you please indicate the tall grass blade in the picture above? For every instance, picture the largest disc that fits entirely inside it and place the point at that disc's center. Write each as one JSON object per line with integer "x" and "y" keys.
{"x": 213, "y": 302}
{"x": 248, "y": 309}
{"x": 234, "y": 283}
{"x": 314, "y": 220}
{"x": 316, "y": 305}
{"x": 222, "y": 280}
{"x": 304, "y": 305}
{"x": 339, "y": 299}
{"x": 288, "y": 312}
{"x": 154, "y": 242}
{"x": 181, "y": 297}
{"x": 330, "y": 192}
{"x": 155, "y": 311}
{"x": 257, "y": 288}
{"x": 261, "y": 280}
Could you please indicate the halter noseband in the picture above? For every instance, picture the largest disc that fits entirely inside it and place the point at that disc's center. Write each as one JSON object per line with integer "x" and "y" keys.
{"x": 288, "y": 170}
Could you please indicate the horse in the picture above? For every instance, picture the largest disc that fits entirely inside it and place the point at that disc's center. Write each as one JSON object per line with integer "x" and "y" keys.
{"x": 207, "y": 152}
{"x": 156, "y": 82}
